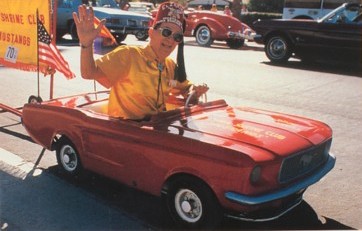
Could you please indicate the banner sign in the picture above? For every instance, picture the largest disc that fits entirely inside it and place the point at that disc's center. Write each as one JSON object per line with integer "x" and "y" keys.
{"x": 18, "y": 32}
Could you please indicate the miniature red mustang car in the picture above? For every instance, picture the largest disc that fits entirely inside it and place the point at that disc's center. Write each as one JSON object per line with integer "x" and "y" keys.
{"x": 205, "y": 160}
{"x": 207, "y": 26}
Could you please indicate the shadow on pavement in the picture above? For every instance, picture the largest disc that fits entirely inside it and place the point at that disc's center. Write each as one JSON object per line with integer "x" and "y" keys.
{"x": 323, "y": 66}
{"x": 151, "y": 210}
{"x": 42, "y": 202}
{"x": 223, "y": 46}
{"x": 303, "y": 217}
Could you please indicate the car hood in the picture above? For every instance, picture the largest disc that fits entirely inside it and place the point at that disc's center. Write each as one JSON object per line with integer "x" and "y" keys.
{"x": 293, "y": 23}
{"x": 246, "y": 129}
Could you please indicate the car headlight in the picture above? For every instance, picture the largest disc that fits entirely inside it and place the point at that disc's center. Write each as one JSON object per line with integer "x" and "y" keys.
{"x": 255, "y": 174}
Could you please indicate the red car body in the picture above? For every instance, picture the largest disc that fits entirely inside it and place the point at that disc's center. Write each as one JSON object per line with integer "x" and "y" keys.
{"x": 207, "y": 26}
{"x": 252, "y": 164}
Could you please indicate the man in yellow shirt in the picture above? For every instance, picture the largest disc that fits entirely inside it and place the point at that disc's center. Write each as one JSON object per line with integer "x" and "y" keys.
{"x": 140, "y": 78}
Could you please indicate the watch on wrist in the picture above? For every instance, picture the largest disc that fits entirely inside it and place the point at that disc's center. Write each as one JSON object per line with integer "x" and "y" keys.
{"x": 84, "y": 47}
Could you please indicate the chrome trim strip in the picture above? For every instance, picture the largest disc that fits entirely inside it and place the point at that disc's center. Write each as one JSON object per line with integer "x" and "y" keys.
{"x": 284, "y": 192}
{"x": 242, "y": 218}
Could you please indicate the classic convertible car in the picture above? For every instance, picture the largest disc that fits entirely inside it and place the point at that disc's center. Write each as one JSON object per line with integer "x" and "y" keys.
{"x": 337, "y": 36}
{"x": 205, "y": 160}
{"x": 207, "y": 26}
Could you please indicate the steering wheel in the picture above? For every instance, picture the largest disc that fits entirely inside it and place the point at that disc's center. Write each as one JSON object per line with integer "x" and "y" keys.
{"x": 191, "y": 95}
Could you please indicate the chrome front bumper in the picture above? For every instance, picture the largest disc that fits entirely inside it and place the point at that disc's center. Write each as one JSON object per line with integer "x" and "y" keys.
{"x": 249, "y": 35}
{"x": 284, "y": 192}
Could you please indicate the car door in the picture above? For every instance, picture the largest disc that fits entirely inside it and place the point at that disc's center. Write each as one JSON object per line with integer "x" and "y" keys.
{"x": 125, "y": 151}
{"x": 64, "y": 13}
{"x": 340, "y": 33}
{"x": 339, "y": 36}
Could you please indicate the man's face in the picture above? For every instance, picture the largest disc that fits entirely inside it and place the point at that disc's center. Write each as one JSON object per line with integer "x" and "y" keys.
{"x": 161, "y": 45}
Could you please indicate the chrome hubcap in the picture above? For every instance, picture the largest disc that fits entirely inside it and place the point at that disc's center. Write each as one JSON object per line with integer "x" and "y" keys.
{"x": 277, "y": 48}
{"x": 68, "y": 158}
{"x": 188, "y": 205}
{"x": 204, "y": 36}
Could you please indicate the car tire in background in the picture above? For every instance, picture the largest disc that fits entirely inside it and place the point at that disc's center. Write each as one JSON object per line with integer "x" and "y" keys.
{"x": 192, "y": 204}
{"x": 203, "y": 36}
{"x": 278, "y": 49}
{"x": 73, "y": 31}
{"x": 142, "y": 35}
{"x": 68, "y": 157}
{"x": 235, "y": 43}
{"x": 120, "y": 37}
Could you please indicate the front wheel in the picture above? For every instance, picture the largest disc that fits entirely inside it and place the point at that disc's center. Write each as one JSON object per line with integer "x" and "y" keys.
{"x": 192, "y": 204}
{"x": 203, "y": 36}
{"x": 68, "y": 157}
{"x": 278, "y": 49}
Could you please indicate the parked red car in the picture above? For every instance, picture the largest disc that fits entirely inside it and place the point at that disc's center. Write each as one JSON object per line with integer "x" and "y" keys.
{"x": 207, "y": 26}
{"x": 205, "y": 160}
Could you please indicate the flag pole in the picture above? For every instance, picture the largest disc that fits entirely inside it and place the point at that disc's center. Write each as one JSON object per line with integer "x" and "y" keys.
{"x": 37, "y": 48}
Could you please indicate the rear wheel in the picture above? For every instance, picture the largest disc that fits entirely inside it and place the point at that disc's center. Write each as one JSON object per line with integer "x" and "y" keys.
{"x": 120, "y": 37}
{"x": 68, "y": 157}
{"x": 142, "y": 35}
{"x": 73, "y": 31}
{"x": 203, "y": 36}
{"x": 192, "y": 204}
{"x": 278, "y": 49}
{"x": 35, "y": 99}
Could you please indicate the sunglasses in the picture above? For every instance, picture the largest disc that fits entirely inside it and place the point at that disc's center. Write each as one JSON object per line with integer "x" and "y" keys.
{"x": 177, "y": 37}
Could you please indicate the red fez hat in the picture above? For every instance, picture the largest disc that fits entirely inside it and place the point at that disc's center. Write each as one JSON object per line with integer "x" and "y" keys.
{"x": 170, "y": 12}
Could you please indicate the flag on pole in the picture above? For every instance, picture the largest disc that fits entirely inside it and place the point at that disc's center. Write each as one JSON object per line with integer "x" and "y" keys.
{"x": 49, "y": 54}
{"x": 105, "y": 33}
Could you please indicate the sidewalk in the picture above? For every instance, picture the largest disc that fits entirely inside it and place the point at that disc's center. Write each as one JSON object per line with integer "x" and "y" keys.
{"x": 31, "y": 199}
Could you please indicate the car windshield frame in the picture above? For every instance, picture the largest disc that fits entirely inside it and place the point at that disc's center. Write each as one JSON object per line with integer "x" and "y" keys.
{"x": 333, "y": 16}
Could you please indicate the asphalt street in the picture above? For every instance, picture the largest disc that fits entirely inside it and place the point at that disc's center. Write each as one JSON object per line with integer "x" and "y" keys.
{"x": 33, "y": 199}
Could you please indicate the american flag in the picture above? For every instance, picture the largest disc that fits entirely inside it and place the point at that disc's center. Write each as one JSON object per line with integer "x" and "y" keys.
{"x": 49, "y": 54}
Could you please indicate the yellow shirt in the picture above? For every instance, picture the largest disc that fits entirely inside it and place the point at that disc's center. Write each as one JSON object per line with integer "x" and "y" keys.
{"x": 133, "y": 75}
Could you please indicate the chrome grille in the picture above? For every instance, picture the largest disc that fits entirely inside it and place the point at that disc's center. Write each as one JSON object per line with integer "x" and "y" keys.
{"x": 304, "y": 162}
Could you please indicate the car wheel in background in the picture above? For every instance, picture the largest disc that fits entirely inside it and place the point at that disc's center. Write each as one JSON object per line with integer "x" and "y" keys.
{"x": 120, "y": 37}
{"x": 277, "y": 49}
{"x": 68, "y": 157}
{"x": 235, "y": 43}
{"x": 35, "y": 99}
{"x": 192, "y": 204}
{"x": 203, "y": 36}
{"x": 73, "y": 31}
{"x": 141, "y": 35}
